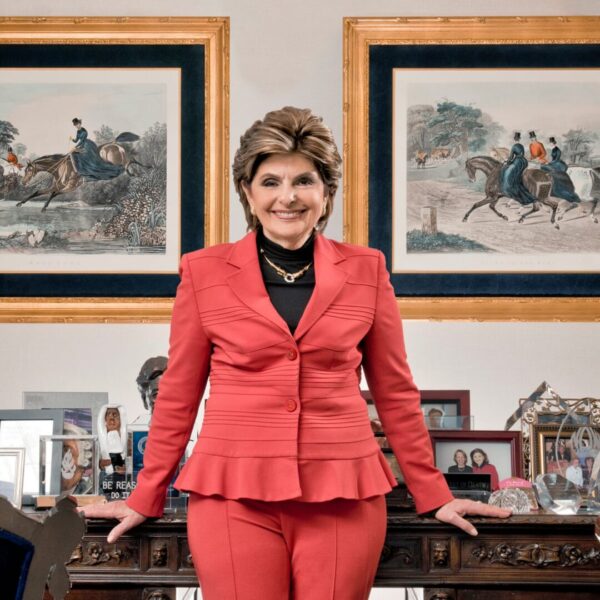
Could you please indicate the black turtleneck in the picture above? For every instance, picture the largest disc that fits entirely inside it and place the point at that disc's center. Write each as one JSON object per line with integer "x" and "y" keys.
{"x": 289, "y": 299}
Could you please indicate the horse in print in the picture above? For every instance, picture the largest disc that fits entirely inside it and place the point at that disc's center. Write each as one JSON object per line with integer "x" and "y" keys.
{"x": 538, "y": 182}
{"x": 64, "y": 175}
{"x": 586, "y": 184}
{"x": 115, "y": 154}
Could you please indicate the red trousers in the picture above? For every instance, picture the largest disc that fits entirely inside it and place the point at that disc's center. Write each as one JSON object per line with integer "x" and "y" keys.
{"x": 256, "y": 550}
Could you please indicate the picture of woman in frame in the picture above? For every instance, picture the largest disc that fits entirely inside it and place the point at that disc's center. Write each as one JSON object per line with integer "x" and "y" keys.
{"x": 481, "y": 464}
{"x": 460, "y": 460}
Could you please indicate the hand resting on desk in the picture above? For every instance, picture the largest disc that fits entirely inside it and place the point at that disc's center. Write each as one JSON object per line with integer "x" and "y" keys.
{"x": 128, "y": 517}
{"x": 454, "y": 511}
{"x": 451, "y": 513}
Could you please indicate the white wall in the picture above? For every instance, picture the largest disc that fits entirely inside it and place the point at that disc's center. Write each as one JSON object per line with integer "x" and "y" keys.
{"x": 290, "y": 52}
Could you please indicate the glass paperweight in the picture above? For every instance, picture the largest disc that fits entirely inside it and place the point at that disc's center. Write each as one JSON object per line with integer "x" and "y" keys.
{"x": 511, "y": 498}
{"x": 557, "y": 494}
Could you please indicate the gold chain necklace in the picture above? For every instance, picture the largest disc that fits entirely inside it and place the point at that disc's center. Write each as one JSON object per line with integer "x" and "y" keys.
{"x": 287, "y": 277}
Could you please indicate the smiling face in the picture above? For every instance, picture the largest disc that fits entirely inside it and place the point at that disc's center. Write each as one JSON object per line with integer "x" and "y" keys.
{"x": 460, "y": 458}
{"x": 288, "y": 197}
{"x": 478, "y": 458}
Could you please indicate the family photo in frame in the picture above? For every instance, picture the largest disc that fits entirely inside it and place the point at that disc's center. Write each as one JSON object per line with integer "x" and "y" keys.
{"x": 493, "y": 453}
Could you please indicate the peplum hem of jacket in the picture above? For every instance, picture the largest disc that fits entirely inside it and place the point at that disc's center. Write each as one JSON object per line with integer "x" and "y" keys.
{"x": 286, "y": 478}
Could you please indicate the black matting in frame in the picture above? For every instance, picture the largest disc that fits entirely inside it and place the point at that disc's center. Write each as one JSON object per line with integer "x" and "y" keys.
{"x": 382, "y": 60}
{"x": 190, "y": 59}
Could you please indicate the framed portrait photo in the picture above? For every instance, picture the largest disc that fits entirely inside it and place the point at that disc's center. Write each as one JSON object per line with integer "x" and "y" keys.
{"x": 114, "y": 148}
{"x": 440, "y": 114}
{"x": 569, "y": 451}
{"x": 446, "y": 409}
{"x": 548, "y": 414}
{"x": 497, "y": 453}
{"x": 12, "y": 469}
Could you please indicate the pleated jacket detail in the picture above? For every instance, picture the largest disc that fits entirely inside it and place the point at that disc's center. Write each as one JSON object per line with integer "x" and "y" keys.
{"x": 285, "y": 418}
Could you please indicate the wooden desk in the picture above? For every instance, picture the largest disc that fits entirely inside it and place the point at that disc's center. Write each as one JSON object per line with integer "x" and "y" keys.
{"x": 539, "y": 557}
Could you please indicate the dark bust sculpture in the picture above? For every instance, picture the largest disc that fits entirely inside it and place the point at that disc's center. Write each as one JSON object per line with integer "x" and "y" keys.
{"x": 148, "y": 378}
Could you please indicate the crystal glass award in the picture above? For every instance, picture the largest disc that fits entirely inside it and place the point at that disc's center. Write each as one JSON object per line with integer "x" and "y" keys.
{"x": 557, "y": 494}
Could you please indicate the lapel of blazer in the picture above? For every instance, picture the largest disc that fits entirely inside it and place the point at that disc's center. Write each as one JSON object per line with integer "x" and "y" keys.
{"x": 247, "y": 283}
{"x": 329, "y": 279}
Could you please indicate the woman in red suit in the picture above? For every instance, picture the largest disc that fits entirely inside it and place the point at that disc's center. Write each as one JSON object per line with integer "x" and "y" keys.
{"x": 286, "y": 480}
{"x": 481, "y": 464}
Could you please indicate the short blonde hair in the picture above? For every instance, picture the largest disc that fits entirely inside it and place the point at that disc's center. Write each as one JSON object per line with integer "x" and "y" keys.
{"x": 284, "y": 131}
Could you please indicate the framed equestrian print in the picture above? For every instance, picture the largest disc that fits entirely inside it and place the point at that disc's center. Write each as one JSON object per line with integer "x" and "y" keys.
{"x": 113, "y": 162}
{"x": 472, "y": 162}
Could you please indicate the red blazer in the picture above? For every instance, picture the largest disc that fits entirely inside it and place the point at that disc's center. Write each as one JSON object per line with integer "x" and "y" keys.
{"x": 285, "y": 418}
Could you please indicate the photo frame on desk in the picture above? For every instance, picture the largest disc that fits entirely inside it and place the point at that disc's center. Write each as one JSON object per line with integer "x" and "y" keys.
{"x": 402, "y": 78}
{"x": 453, "y": 407}
{"x": 69, "y": 465}
{"x": 153, "y": 95}
{"x": 548, "y": 412}
{"x": 554, "y": 449}
{"x": 12, "y": 469}
{"x": 23, "y": 429}
{"x": 503, "y": 450}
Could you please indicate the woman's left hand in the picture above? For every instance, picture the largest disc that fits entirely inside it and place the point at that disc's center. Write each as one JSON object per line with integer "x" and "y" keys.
{"x": 456, "y": 509}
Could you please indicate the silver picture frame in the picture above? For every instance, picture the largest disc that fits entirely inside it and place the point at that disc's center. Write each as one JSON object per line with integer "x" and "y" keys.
{"x": 12, "y": 470}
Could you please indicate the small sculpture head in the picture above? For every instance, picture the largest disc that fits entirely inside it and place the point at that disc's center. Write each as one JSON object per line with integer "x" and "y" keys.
{"x": 440, "y": 554}
{"x": 148, "y": 380}
{"x": 159, "y": 555}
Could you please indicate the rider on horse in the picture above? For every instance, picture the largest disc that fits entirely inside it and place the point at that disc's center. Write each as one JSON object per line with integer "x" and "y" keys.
{"x": 562, "y": 185}
{"x": 536, "y": 149}
{"x": 86, "y": 158}
{"x": 12, "y": 160}
{"x": 511, "y": 175}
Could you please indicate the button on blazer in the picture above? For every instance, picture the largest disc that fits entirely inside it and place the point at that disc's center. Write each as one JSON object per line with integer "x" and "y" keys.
{"x": 285, "y": 418}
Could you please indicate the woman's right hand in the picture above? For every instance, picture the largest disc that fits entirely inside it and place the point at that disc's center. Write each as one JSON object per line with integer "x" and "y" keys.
{"x": 128, "y": 517}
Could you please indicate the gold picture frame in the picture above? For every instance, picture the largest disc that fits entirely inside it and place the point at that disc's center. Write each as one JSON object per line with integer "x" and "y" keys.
{"x": 363, "y": 34}
{"x": 552, "y": 412}
{"x": 172, "y": 33}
